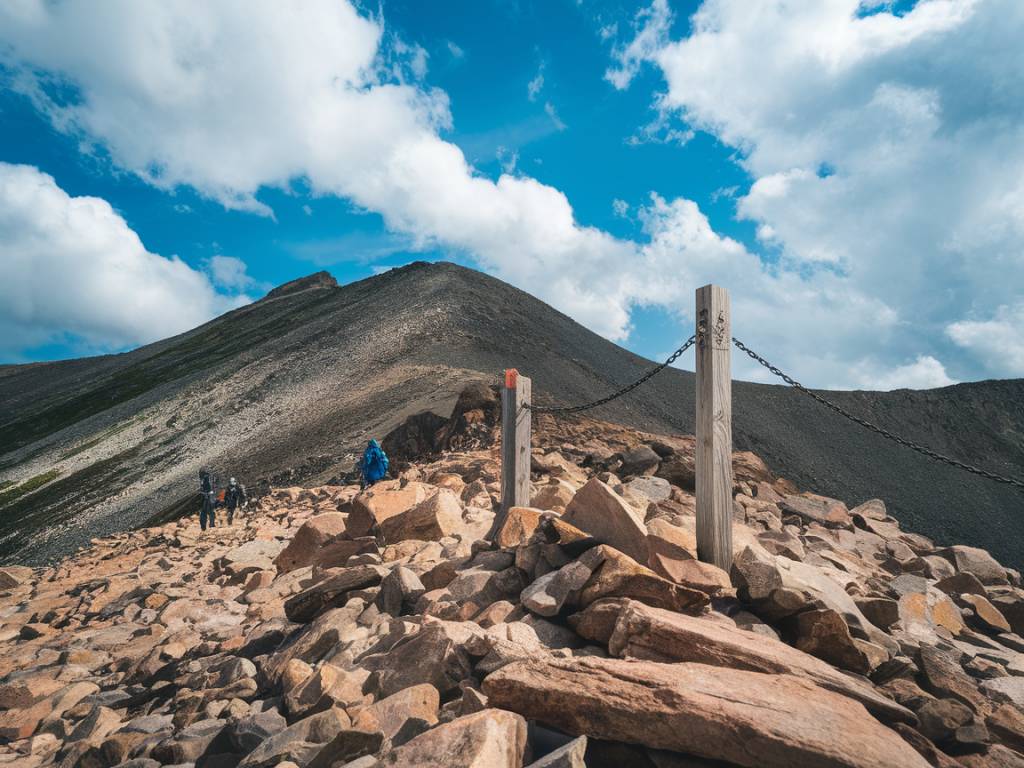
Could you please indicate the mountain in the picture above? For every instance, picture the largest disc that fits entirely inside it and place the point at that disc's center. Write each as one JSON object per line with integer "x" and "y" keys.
{"x": 289, "y": 388}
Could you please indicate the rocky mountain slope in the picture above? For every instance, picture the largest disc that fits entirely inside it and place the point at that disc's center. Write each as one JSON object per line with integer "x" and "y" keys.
{"x": 336, "y": 627}
{"x": 289, "y": 388}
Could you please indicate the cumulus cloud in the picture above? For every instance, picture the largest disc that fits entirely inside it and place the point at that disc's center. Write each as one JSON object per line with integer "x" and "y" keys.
{"x": 232, "y": 274}
{"x": 886, "y": 152}
{"x": 73, "y": 263}
{"x": 998, "y": 342}
{"x": 871, "y": 171}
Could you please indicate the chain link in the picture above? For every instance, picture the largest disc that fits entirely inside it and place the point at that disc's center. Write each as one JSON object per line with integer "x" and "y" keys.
{"x": 619, "y": 393}
{"x": 874, "y": 427}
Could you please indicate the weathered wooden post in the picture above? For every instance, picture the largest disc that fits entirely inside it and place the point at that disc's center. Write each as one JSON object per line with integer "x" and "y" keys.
{"x": 714, "y": 427}
{"x": 515, "y": 445}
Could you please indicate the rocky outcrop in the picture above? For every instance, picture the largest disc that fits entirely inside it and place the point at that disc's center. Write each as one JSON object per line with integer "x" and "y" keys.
{"x": 391, "y": 626}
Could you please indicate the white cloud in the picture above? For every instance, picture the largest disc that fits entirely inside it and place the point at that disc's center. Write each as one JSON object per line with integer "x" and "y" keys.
{"x": 231, "y": 274}
{"x": 998, "y": 343}
{"x": 233, "y": 97}
{"x": 456, "y": 51}
{"x": 551, "y": 112}
{"x": 73, "y": 263}
{"x": 887, "y": 153}
{"x": 536, "y": 85}
{"x": 620, "y": 208}
{"x": 924, "y": 373}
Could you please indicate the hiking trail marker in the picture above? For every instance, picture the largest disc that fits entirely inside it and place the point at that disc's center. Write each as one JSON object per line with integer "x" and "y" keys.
{"x": 714, "y": 427}
{"x": 515, "y": 444}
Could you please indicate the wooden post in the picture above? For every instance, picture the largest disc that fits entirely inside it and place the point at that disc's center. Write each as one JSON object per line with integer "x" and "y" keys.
{"x": 714, "y": 427}
{"x": 515, "y": 445}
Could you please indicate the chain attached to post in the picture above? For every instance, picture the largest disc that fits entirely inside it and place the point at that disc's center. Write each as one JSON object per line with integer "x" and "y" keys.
{"x": 874, "y": 427}
{"x": 618, "y": 393}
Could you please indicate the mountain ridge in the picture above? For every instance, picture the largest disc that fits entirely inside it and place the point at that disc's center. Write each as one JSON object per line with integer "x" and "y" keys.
{"x": 291, "y": 385}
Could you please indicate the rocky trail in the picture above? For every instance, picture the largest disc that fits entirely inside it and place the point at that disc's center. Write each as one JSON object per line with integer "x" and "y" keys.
{"x": 391, "y": 627}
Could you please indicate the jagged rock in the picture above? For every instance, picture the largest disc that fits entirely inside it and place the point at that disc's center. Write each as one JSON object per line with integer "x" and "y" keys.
{"x": 380, "y": 502}
{"x": 996, "y": 757}
{"x": 651, "y": 488}
{"x": 698, "y": 710}
{"x": 298, "y": 742}
{"x": 975, "y": 561}
{"x": 96, "y": 725}
{"x": 346, "y": 746}
{"x": 188, "y": 743}
{"x": 880, "y": 611}
{"x": 399, "y": 591}
{"x": 518, "y": 527}
{"x": 1006, "y": 690}
{"x": 943, "y": 676}
{"x": 491, "y": 738}
{"x": 555, "y": 495}
{"x": 428, "y": 656}
{"x": 332, "y": 591}
{"x": 392, "y": 715}
{"x": 940, "y": 718}
{"x": 986, "y": 614}
{"x": 1007, "y": 724}
{"x": 328, "y": 686}
{"x": 314, "y": 534}
{"x": 248, "y": 558}
{"x": 634, "y": 630}
{"x": 824, "y": 634}
{"x": 14, "y": 576}
{"x": 827, "y": 512}
{"x": 568, "y": 756}
{"x": 597, "y": 510}
{"x": 706, "y": 577}
{"x": 961, "y": 584}
{"x": 616, "y": 575}
{"x": 314, "y": 642}
{"x": 21, "y": 723}
{"x": 247, "y": 733}
{"x": 435, "y": 517}
{"x": 548, "y": 594}
{"x": 640, "y": 460}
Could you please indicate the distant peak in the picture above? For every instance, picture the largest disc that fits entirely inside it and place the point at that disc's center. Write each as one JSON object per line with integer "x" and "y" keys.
{"x": 320, "y": 279}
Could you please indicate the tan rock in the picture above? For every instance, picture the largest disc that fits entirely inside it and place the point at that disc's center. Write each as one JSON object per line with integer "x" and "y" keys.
{"x": 824, "y": 634}
{"x": 555, "y": 495}
{"x": 14, "y": 576}
{"x": 518, "y": 526}
{"x": 433, "y": 518}
{"x": 745, "y": 718}
{"x": 332, "y": 591}
{"x": 633, "y": 630}
{"x": 489, "y": 739}
{"x": 987, "y": 614}
{"x": 378, "y": 503}
{"x": 328, "y": 686}
{"x": 602, "y": 513}
{"x": 391, "y": 714}
{"x": 691, "y": 573}
{"x": 314, "y": 534}
{"x": 617, "y": 575}
{"x": 818, "y": 509}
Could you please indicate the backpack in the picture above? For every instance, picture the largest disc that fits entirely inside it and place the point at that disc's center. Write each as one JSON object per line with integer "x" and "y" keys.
{"x": 375, "y": 463}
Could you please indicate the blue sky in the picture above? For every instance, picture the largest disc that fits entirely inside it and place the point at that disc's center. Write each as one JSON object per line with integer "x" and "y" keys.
{"x": 837, "y": 167}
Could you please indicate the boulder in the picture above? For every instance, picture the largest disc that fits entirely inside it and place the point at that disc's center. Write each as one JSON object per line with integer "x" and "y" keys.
{"x": 393, "y": 714}
{"x": 329, "y": 686}
{"x": 555, "y": 495}
{"x": 744, "y": 718}
{"x": 433, "y": 518}
{"x": 827, "y": 512}
{"x": 517, "y": 527}
{"x": 399, "y": 591}
{"x": 314, "y": 534}
{"x": 597, "y": 510}
{"x": 986, "y": 614}
{"x": 824, "y": 634}
{"x": 1005, "y": 690}
{"x": 548, "y": 594}
{"x": 376, "y": 504}
{"x": 640, "y": 460}
{"x": 943, "y": 676}
{"x": 430, "y": 655}
{"x": 299, "y": 742}
{"x": 12, "y": 576}
{"x": 975, "y": 561}
{"x": 567, "y": 756}
{"x": 617, "y": 575}
{"x": 332, "y": 592}
{"x": 633, "y": 630}
{"x": 651, "y": 488}
{"x": 679, "y": 470}
{"x": 489, "y": 739}
{"x": 691, "y": 573}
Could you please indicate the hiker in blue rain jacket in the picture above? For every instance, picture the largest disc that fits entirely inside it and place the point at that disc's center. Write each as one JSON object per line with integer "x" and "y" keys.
{"x": 374, "y": 464}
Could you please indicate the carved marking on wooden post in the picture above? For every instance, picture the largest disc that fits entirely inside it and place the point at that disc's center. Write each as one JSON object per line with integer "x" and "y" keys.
{"x": 714, "y": 427}
{"x": 515, "y": 445}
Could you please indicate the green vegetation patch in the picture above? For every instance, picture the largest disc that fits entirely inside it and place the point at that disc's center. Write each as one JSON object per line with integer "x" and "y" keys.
{"x": 9, "y": 495}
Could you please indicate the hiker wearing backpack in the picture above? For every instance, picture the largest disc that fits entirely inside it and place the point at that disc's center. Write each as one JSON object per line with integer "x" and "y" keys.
{"x": 208, "y": 492}
{"x": 374, "y": 464}
{"x": 234, "y": 497}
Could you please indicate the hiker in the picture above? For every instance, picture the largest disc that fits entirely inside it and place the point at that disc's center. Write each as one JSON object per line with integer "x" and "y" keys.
{"x": 234, "y": 497}
{"x": 374, "y": 464}
{"x": 208, "y": 490}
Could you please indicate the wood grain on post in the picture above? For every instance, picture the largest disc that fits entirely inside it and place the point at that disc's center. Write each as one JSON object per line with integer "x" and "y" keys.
{"x": 515, "y": 444}
{"x": 714, "y": 427}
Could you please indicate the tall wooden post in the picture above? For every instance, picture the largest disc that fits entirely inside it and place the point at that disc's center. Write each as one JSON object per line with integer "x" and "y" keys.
{"x": 515, "y": 445}
{"x": 714, "y": 427}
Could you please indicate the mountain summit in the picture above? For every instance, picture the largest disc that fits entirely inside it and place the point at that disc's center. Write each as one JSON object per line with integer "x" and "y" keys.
{"x": 290, "y": 388}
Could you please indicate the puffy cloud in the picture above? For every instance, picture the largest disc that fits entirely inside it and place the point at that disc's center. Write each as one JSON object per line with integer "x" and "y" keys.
{"x": 887, "y": 156}
{"x": 998, "y": 342}
{"x": 231, "y": 274}
{"x": 73, "y": 263}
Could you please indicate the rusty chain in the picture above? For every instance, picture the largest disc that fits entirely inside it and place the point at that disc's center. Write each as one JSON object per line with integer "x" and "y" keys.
{"x": 874, "y": 427}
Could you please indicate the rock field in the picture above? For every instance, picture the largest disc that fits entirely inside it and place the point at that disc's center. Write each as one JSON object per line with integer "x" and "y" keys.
{"x": 394, "y": 627}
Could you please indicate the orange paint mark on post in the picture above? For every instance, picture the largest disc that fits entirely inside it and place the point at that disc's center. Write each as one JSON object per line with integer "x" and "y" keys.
{"x": 511, "y": 378}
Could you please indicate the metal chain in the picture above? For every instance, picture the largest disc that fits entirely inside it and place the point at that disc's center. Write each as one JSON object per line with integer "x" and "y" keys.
{"x": 619, "y": 393}
{"x": 874, "y": 427}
